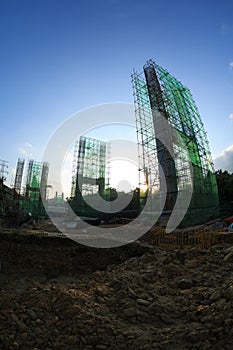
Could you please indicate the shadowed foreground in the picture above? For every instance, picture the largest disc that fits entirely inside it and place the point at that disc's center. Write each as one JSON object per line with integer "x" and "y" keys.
{"x": 56, "y": 294}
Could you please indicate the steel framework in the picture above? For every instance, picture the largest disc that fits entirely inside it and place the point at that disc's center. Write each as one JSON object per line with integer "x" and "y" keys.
{"x": 89, "y": 166}
{"x": 90, "y": 172}
{"x": 4, "y": 164}
{"x": 156, "y": 90}
{"x": 19, "y": 175}
{"x": 35, "y": 186}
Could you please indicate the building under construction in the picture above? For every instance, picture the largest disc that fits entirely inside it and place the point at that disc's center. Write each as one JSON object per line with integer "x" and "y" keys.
{"x": 6, "y": 193}
{"x": 157, "y": 91}
{"x": 89, "y": 174}
{"x": 30, "y": 195}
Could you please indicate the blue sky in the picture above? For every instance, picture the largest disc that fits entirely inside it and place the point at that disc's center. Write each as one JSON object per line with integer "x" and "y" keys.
{"x": 59, "y": 57}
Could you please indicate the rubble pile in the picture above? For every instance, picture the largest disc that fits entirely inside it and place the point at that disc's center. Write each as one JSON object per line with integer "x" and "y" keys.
{"x": 151, "y": 298}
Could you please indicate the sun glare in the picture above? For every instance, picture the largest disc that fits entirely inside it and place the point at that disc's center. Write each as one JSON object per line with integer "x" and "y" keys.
{"x": 123, "y": 175}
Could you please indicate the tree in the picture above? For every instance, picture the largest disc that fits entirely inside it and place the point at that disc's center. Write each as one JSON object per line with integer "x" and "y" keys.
{"x": 225, "y": 185}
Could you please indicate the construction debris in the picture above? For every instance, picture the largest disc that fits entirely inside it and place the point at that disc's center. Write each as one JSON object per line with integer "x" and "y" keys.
{"x": 56, "y": 294}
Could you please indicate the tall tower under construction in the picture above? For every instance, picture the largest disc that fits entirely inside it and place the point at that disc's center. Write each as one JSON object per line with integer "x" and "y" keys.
{"x": 89, "y": 172}
{"x": 157, "y": 91}
{"x": 35, "y": 188}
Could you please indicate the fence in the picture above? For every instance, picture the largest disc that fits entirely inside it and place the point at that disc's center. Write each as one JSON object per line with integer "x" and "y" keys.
{"x": 202, "y": 238}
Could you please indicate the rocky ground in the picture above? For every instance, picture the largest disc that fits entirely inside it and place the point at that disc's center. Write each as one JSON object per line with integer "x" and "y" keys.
{"x": 56, "y": 294}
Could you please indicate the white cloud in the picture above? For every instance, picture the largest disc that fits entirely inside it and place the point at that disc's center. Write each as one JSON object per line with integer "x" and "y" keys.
{"x": 27, "y": 144}
{"x": 231, "y": 115}
{"x": 231, "y": 65}
{"x": 225, "y": 160}
{"x": 22, "y": 151}
{"x": 25, "y": 150}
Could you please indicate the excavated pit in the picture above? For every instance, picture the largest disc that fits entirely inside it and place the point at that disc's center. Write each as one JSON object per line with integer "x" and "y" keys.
{"x": 57, "y": 294}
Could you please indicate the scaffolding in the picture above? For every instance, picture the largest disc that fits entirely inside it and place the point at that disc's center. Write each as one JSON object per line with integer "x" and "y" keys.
{"x": 90, "y": 171}
{"x": 156, "y": 90}
{"x": 4, "y": 164}
{"x": 19, "y": 176}
{"x": 74, "y": 169}
{"x": 44, "y": 181}
{"x": 35, "y": 187}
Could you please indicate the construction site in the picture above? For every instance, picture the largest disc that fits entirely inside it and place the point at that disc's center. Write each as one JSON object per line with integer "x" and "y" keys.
{"x": 166, "y": 290}
{"x": 155, "y": 90}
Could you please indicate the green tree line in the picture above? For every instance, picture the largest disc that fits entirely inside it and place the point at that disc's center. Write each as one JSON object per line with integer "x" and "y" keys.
{"x": 225, "y": 185}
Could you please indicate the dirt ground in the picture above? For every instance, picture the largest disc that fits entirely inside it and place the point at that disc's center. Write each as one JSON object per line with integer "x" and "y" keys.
{"x": 58, "y": 294}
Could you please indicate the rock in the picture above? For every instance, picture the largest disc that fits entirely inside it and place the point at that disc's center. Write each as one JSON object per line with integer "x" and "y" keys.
{"x": 72, "y": 339}
{"x": 142, "y": 315}
{"x": 102, "y": 291}
{"x": 185, "y": 284}
{"x": 219, "y": 303}
{"x": 38, "y": 331}
{"x": 228, "y": 294}
{"x": 228, "y": 257}
{"x": 215, "y": 295}
{"x": 32, "y": 314}
{"x": 16, "y": 345}
{"x": 24, "y": 336}
{"x": 21, "y": 325}
{"x": 131, "y": 293}
{"x": 230, "y": 249}
{"x": 130, "y": 312}
{"x": 143, "y": 302}
{"x": 167, "y": 319}
{"x": 38, "y": 321}
{"x": 206, "y": 318}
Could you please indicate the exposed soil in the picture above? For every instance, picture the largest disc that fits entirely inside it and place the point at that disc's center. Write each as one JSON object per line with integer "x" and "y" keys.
{"x": 57, "y": 294}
